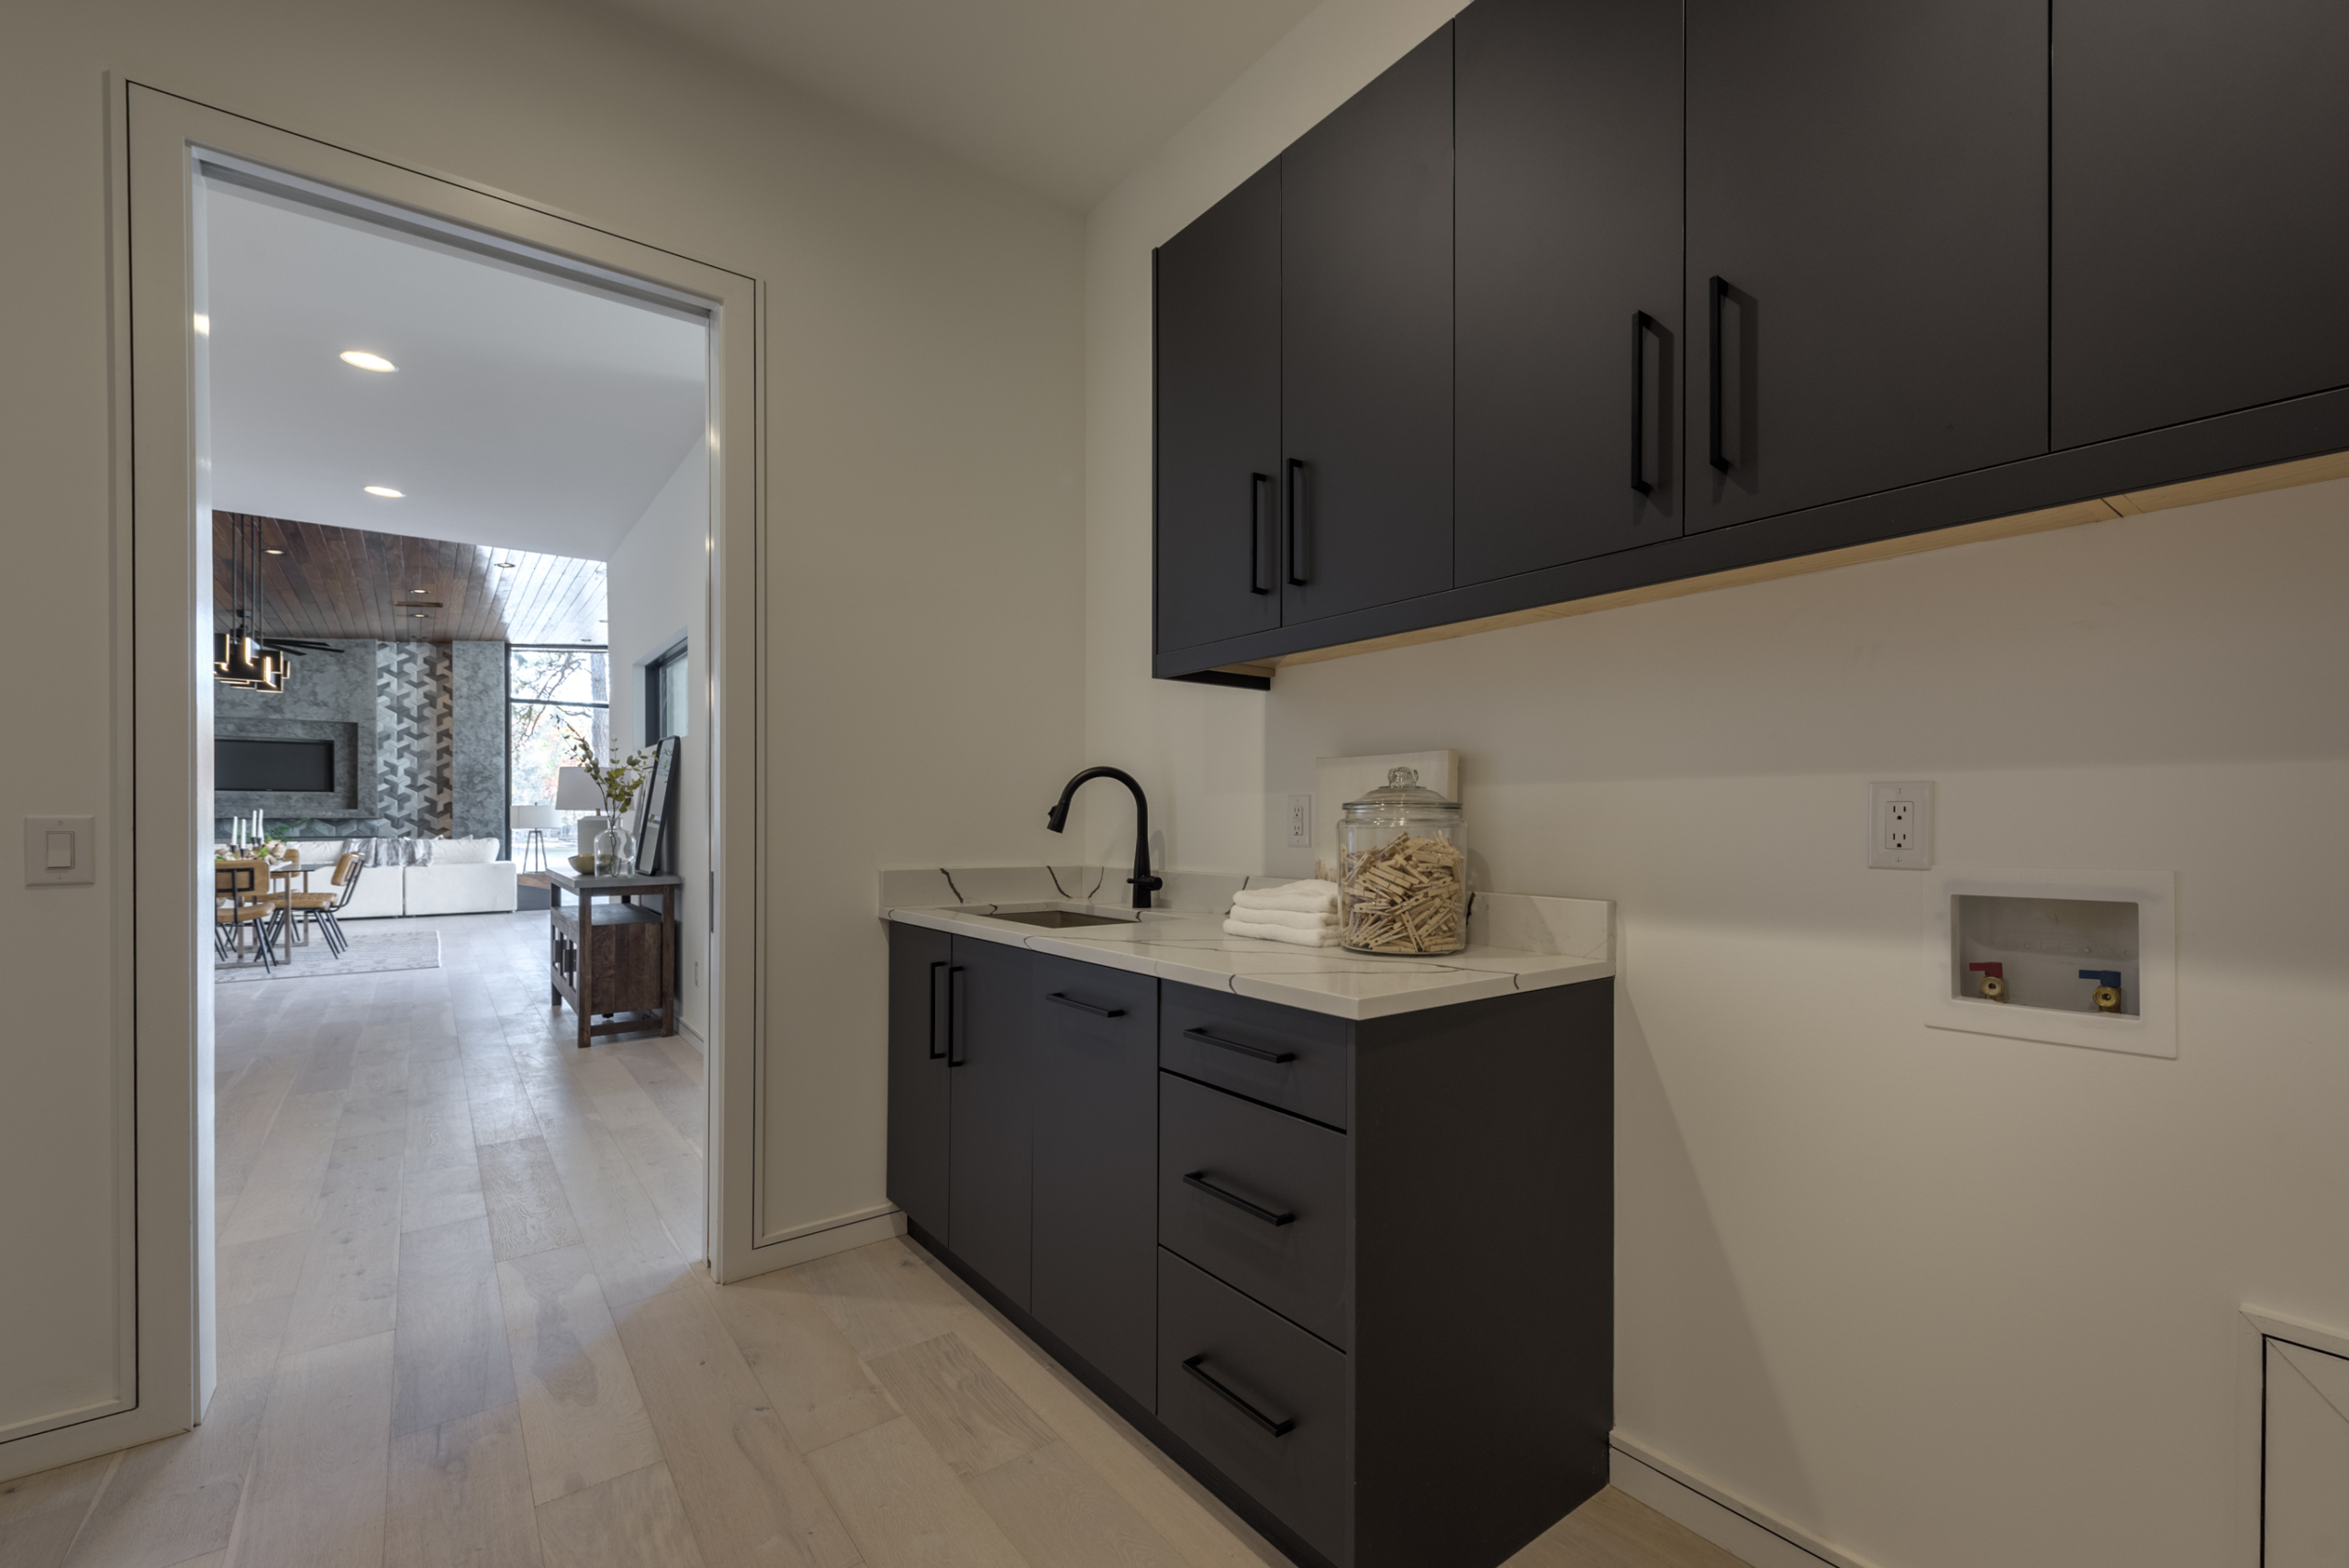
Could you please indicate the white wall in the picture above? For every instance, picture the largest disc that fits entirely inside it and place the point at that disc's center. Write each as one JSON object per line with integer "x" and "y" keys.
{"x": 1943, "y": 1300}
{"x": 658, "y": 591}
{"x": 922, "y": 399}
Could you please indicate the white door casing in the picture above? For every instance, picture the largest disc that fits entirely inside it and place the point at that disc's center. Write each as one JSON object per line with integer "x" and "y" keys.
{"x": 157, "y": 1008}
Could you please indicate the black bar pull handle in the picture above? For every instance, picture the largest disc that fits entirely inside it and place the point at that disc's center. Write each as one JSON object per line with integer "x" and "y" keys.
{"x": 955, "y": 1041}
{"x": 1713, "y": 293}
{"x": 1298, "y": 572}
{"x": 1068, "y": 1001}
{"x": 1641, "y": 325}
{"x": 1260, "y": 497}
{"x": 934, "y": 974}
{"x": 1278, "y": 1429}
{"x": 1199, "y": 1179}
{"x": 1258, "y": 1052}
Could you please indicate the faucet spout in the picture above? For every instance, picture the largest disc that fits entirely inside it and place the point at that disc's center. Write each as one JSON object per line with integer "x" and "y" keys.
{"x": 1144, "y": 885}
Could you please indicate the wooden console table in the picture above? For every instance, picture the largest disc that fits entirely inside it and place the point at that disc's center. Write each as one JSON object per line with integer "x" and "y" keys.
{"x": 611, "y": 955}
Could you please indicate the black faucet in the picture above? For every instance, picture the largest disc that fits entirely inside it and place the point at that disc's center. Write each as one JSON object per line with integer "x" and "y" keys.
{"x": 1144, "y": 883}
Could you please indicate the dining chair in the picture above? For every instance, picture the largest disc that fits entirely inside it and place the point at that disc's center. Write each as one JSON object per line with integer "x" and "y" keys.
{"x": 237, "y": 904}
{"x": 322, "y": 907}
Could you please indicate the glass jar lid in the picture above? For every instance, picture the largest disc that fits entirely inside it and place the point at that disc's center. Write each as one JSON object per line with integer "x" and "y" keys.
{"x": 1402, "y": 793}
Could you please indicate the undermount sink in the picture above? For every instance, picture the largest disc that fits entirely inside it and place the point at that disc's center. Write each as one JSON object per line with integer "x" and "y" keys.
{"x": 1056, "y": 919}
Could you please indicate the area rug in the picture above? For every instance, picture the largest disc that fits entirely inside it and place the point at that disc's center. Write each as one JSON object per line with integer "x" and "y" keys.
{"x": 368, "y": 953}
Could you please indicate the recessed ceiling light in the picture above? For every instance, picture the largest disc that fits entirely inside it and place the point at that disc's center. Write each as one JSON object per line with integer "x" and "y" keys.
{"x": 419, "y": 590}
{"x": 508, "y": 565}
{"x": 273, "y": 552}
{"x": 366, "y": 361}
{"x": 204, "y": 326}
{"x": 384, "y": 490}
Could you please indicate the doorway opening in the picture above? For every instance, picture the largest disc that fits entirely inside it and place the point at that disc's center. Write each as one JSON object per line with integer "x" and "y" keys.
{"x": 461, "y": 507}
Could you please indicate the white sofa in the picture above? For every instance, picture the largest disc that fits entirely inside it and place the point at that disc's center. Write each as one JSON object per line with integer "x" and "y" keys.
{"x": 483, "y": 889}
{"x": 447, "y": 886}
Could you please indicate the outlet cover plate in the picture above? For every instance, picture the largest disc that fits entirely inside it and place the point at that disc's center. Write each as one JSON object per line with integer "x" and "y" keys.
{"x": 1900, "y": 825}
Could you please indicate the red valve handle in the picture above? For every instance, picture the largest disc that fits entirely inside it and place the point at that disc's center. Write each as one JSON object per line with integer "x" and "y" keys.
{"x": 1997, "y": 971}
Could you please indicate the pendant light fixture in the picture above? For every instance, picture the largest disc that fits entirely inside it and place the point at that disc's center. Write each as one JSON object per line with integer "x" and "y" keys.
{"x": 244, "y": 657}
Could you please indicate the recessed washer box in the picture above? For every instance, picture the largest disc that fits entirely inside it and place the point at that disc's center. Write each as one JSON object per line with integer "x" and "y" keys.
{"x": 2056, "y": 940}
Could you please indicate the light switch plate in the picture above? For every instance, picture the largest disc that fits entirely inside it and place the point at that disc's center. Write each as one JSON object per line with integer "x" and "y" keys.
{"x": 49, "y": 840}
{"x": 1900, "y": 825}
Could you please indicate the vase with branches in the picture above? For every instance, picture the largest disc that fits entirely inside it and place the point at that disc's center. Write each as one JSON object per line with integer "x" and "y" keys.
{"x": 617, "y": 780}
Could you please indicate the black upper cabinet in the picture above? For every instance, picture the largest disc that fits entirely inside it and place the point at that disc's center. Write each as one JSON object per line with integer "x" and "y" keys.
{"x": 2201, "y": 244}
{"x": 919, "y": 996}
{"x": 1867, "y": 225}
{"x": 1569, "y": 280}
{"x": 988, "y": 1155}
{"x": 1366, "y": 319}
{"x": 1219, "y": 411}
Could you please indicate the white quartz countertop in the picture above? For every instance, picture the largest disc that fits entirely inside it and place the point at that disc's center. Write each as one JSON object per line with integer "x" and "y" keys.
{"x": 1190, "y": 947}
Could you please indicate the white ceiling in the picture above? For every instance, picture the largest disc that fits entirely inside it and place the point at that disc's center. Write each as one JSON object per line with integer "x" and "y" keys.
{"x": 526, "y": 412}
{"x": 1064, "y": 96}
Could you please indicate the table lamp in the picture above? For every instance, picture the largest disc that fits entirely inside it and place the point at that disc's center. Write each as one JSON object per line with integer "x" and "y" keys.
{"x": 574, "y": 791}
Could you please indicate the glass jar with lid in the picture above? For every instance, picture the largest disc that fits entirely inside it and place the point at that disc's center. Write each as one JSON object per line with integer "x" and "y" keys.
{"x": 1403, "y": 870}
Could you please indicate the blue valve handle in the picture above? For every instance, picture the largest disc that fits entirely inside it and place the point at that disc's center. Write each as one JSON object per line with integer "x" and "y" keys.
{"x": 2102, "y": 977}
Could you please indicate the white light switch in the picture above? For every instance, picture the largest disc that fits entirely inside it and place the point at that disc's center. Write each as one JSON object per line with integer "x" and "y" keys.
{"x": 60, "y": 849}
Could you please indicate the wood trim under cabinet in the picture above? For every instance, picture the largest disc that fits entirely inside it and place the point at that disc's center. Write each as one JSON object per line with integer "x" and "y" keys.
{"x": 2192, "y": 491}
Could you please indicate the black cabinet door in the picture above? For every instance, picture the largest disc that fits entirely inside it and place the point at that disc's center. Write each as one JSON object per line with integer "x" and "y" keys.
{"x": 918, "y": 961}
{"x": 1366, "y": 345}
{"x": 1867, "y": 223}
{"x": 988, "y": 1155}
{"x": 2201, "y": 150}
{"x": 1096, "y": 1075}
{"x": 1217, "y": 329}
{"x": 1568, "y": 127}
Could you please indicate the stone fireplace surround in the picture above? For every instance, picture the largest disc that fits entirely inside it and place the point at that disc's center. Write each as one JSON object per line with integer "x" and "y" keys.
{"x": 419, "y": 737}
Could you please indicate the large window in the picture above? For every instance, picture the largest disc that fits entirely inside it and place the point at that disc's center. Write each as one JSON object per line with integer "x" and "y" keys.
{"x": 666, "y": 709}
{"x": 554, "y": 694}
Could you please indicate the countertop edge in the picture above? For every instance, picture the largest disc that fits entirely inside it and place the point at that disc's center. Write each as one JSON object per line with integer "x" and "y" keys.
{"x": 1457, "y": 984}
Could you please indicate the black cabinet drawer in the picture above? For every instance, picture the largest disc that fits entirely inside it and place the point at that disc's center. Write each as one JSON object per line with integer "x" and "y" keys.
{"x": 1257, "y": 1198}
{"x": 1283, "y": 1056}
{"x": 1261, "y": 1399}
{"x": 1094, "y": 1264}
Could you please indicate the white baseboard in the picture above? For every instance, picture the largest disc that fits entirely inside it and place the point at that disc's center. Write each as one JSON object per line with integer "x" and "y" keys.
{"x": 1742, "y": 1528}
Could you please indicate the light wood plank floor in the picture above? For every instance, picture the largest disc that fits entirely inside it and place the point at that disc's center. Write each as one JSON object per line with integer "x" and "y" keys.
{"x": 462, "y": 1323}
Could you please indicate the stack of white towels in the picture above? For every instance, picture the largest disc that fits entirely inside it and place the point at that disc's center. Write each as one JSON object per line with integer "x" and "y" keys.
{"x": 1304, "y": 914}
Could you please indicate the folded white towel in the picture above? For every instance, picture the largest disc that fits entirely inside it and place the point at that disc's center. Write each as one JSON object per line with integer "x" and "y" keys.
{"x": 1311, "y": 897}
{"x": 1297, "y": 936}
{"x": 1297, "y": 918}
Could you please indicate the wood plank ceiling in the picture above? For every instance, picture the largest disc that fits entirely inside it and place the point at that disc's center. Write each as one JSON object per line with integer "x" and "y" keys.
{"x": 334, "y": 583}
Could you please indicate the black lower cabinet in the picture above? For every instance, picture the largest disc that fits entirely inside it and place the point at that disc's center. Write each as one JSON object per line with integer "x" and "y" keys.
{"x": 989, "y": 1100}
{"x": 918, "y": 961}
{"x": 1356, "y": 1277}
{"x": 1094, "y": 1071}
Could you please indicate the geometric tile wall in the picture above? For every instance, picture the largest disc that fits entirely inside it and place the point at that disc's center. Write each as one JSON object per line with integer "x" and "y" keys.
{"x": 414, "y": 737}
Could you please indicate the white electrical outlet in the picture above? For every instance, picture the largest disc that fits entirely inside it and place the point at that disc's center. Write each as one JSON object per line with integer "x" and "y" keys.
{"x": 1300, "y": 822}
{"x": 1900, "y": 825}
